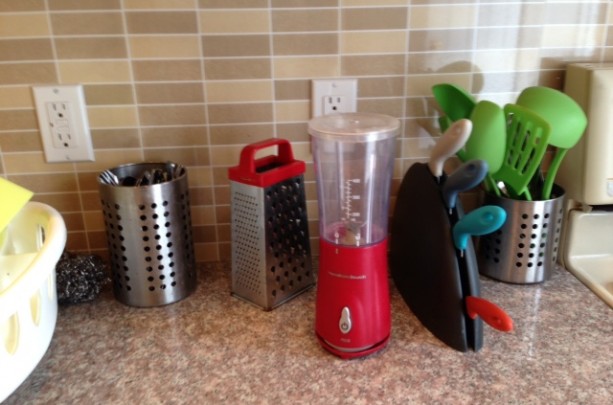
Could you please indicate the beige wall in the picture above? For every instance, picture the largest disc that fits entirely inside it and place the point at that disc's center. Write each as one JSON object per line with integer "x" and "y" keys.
{"x": 193, "y": 81}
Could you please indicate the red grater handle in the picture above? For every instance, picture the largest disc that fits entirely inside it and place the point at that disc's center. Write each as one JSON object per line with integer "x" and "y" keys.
{"x": 248, "y": 161}
{"x": 268, "y": 170}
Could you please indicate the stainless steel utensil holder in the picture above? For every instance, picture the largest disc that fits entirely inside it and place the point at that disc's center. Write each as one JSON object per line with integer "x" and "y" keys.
{"x": 525, "y": 249}
{"x": 149, "y": 236}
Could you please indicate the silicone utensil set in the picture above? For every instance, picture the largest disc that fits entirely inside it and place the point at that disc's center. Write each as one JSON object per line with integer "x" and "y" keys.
{"x": 514, "y": 139}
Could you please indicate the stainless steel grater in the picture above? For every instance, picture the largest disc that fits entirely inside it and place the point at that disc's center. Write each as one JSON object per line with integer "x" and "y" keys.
{"x": 271, "y": 254}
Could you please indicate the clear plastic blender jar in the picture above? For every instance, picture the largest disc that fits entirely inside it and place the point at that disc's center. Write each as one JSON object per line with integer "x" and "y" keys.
{"x": 354, "y": 157}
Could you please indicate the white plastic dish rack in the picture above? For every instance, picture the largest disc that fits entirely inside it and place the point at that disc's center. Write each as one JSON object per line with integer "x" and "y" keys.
{"x": 30, "y": 247}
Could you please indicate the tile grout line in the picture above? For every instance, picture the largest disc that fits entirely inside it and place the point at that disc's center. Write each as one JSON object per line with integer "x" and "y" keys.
{"x": 74, "y": 171}
{"x": 271, "y": 54}
{"x": 131, "y": 76}
{"x": 205, "y": 106}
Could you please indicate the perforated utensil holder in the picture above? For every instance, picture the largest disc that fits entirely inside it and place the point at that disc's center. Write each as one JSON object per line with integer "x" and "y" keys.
{"x": 525, "y": 249}
{"x": 271, "y": 254}
{"x": 149, "y": 236}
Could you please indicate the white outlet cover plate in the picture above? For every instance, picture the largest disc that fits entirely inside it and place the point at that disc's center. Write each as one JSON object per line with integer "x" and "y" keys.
{"x": 321, "y": 88}
{"x": 73, "y": 123}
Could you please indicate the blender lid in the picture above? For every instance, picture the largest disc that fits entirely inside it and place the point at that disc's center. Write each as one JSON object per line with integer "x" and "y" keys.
{"x": 353, "y": 126}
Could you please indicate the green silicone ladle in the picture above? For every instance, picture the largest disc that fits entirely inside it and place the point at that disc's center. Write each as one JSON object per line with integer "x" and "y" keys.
{"x": 567, "y": 121}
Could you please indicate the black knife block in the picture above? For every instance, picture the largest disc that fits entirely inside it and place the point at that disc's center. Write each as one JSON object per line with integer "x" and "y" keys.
{"x": 424, "y": 264}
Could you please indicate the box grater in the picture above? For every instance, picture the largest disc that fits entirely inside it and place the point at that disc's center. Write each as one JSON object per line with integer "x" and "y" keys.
{"x": 271, "y": 254}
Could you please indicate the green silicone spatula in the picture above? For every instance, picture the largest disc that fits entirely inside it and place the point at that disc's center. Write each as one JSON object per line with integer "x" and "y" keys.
{"x": 527, "y": 139}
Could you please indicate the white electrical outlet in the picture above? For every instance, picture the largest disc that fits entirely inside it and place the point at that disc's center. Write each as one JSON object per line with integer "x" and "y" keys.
{"x": 329, "y": 96}
{"x": 62, "y": 117}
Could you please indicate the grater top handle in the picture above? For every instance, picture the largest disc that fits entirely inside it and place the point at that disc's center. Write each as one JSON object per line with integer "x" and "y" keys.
{"x": 267, "y": 170}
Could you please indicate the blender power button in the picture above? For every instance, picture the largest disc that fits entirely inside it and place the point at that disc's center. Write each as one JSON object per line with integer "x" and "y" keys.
{"x": 344, "y": 323}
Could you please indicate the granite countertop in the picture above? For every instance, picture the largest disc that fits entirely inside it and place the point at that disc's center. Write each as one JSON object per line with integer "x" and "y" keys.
{"x": 213, "y": 348}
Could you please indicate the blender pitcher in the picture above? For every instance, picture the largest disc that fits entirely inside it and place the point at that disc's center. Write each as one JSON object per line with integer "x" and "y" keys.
{"x": 353, "y": 155}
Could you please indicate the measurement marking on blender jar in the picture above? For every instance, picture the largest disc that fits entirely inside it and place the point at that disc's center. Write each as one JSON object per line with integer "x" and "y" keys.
{"x": 352, "y": 234}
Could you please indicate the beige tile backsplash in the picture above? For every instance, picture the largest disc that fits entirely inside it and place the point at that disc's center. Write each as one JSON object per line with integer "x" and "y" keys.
{"x": 193, "y": 81}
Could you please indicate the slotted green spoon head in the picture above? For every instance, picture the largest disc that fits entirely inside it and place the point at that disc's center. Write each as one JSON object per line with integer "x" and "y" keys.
{"x": 527, "y": 140}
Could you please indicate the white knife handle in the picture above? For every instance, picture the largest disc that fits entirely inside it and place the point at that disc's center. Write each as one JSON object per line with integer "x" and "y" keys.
{"x": 448, "y": 144}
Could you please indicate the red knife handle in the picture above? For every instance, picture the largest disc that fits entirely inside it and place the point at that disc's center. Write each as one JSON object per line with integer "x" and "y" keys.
{"x": 491, "y": 314}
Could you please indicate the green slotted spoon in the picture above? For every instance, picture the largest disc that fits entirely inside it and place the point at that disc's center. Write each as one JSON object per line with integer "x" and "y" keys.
{"x": 527, "y": 138}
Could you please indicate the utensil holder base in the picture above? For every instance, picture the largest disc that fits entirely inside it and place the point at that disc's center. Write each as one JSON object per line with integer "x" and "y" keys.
{"x": 525, "y": 249}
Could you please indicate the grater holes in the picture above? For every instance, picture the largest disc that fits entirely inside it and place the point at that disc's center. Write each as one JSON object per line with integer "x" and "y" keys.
{"x": 286, "y": 222}
{"x": 275, "y": 252}
{"x": 245, "y": 231}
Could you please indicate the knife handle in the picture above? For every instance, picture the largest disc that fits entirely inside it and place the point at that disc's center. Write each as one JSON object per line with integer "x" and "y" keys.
{"x": 469, "y": 175}
{"x": 491, "y": 313}
{"x": 448, "y": 144}
{"x": 481, "y": 221}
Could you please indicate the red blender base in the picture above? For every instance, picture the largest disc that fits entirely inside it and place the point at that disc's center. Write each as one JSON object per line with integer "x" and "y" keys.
{"x": 352, "y": 355}
{"x": 353, "y": 315}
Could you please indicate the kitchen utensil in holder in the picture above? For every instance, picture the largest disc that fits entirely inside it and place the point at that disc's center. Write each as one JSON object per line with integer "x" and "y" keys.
{"x": 525, "y": 249}
{"x": 271, "y": 254}
{"x": 149, "y": 236}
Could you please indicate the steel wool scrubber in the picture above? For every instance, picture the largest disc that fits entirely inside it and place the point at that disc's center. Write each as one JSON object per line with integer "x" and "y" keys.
{"x": 271, "y": 255}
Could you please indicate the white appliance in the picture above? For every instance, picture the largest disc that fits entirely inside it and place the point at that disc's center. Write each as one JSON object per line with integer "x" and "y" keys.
{"x": 587, "y": 176}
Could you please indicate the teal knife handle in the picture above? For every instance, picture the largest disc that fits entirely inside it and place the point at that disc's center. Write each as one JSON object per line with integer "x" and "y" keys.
{"x": 483, "y": 220}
